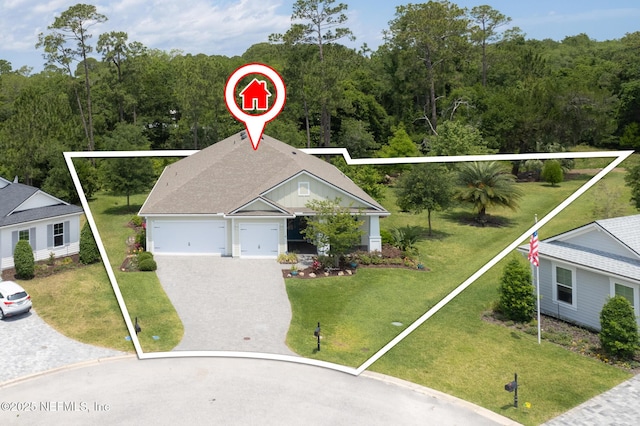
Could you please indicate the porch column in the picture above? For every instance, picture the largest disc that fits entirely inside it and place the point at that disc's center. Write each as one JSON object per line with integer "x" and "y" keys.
{"x": 375, "y": 240}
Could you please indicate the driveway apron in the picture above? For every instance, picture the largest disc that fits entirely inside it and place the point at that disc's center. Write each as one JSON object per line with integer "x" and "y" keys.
{"x": 228, "y": 304}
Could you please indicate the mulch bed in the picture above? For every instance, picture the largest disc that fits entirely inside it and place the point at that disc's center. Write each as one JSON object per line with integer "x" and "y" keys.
{"x": 340, "y": 272}
{"x": 574, "y": 338}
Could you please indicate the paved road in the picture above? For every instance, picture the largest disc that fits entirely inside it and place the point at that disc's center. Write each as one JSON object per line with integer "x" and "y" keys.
{"x": 228, "y": 304}
{"x": 29, "y": 345}
{"x": 199, "y": 391}
{"x": 618, "y": 406}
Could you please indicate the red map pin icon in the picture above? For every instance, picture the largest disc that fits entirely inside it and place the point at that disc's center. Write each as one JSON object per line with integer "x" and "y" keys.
{"x": 255, "y": 123}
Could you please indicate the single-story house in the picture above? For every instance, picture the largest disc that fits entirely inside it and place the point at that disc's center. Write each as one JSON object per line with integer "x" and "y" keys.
{"x": 581, "y": 268}
{"x": 231, "y": 200}
{"x": 48, "y": 223}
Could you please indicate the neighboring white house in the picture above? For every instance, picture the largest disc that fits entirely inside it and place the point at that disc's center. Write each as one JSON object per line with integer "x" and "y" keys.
{"x": 49, "y": 224}
{"x": 231, "y": 200}
{"x": 580, "y": 269}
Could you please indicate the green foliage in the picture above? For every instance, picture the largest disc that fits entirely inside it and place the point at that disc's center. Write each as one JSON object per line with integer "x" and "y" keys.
{"x": 618, "y": 328}
{"x": 552, "y": 172}
{"x": 24, "y": 262}
{"x": 147, "y": 265}
{"x": 427, "y": 187}
{"x": 632, "y": 179}
{"x": 386, "y": 236}
{"x": 400, "y": 145}
{"x": 405, "y": 238}
{"x": 517, "y": 300}
{"x": 144, "y": 255}
{"x": 287, "y": 258}
{"x": 334, "y": 225}
{"x": 89, "y": 252}
{"x": 455, "y": 138}
{"x": 365, "y": 176}
{"x": 486, "y": 184}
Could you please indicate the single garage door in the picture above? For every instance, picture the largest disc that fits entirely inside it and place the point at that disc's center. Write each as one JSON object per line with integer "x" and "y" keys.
{"x": 190, "y": 237}
{"x": 259, "y": 239}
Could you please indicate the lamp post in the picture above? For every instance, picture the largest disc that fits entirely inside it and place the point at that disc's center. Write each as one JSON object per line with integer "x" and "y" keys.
{"x": 317, "y": 334}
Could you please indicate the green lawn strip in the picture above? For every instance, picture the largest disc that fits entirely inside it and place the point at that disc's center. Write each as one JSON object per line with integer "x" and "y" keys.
{"x": 81, "y": 305}
{"x": 142, "y": 292}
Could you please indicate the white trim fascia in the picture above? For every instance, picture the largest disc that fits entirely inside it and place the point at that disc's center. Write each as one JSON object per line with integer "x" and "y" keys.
{"x": 264, "y": 200}
{"x": 583, "y": 267}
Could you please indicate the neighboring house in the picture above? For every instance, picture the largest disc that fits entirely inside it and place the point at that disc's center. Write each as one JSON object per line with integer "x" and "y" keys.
{"x": 49, "y": 224}
{"x": 230, "y": 200}
{"x": 580, "y": 269}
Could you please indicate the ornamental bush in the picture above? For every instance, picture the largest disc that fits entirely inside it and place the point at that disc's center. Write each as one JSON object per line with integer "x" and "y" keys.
{"x": 144, "y": 255}
{"x": 552, "y": 172}
{"x": 517, "y": 300}
{"x": 618, "y": 328}
{"x": 23, "y": 260}
{"x": 147, "y": 265}
{"x": 88, "y": 248}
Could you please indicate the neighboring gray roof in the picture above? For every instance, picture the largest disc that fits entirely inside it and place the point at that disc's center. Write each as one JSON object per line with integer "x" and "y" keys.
{"x": 625, "y": 230}
{"x": 14, "y": 194}
{"x": 230, "y": 174}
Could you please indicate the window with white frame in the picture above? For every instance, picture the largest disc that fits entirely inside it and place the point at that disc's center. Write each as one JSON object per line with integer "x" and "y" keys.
{"x": 303, "y": 189}
{"x": 564, "y": 285}
{"x": 58, "y": 234}
{"x": 628, "y": 291}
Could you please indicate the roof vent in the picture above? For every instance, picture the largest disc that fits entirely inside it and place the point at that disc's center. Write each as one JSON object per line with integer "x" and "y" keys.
{"x": 294, "y": 153}
{"x": 243, "y": 135}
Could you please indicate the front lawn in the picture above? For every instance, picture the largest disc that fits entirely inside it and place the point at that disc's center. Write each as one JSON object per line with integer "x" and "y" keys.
{"x": 455, "y": 351}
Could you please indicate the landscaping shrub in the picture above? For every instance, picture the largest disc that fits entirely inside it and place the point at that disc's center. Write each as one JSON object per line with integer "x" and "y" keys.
{"x": 618, "y": 328}
{"x": 406, "y": 237}
{"x": 147, "y": 265}
{"x": 552, "y": 172}
{"x": 88, "y": 248}
{"x": 144, "y": 255}
{"x": 23, "y": 260}
{"x": 141, "y": 239}
{"x": 136, "y": 221}
{"x": 517, "y": 299}
{"x": 386, "y": 236}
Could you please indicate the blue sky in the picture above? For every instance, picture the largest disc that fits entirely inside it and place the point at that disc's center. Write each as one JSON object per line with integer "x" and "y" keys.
{"x": 229, "y": 27}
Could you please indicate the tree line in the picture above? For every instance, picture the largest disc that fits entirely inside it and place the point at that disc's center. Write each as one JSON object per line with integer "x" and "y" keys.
{"x": 446, "y": 81}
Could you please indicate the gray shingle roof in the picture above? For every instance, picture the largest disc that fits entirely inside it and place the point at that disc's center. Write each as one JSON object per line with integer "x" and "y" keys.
{"x": 229, "y": 174}
{"x": 625, "y": 230}
{"x": 14, "y": 194}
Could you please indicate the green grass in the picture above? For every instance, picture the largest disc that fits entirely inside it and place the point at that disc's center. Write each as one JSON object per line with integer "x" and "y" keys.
{"x": 456, "y": 351}
{"x": 142, "y": 292}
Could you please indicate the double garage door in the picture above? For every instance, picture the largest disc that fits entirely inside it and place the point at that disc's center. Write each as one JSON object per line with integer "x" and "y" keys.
{"x": 210, "y": 237}
{"x": 190, "y": 237}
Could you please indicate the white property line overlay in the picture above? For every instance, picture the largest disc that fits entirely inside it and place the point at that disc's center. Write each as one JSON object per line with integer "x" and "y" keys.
{"x": 619, "y": 157}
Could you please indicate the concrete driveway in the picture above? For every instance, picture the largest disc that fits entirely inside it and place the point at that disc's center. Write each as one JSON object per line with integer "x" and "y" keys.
{"x": 30, "y": 345}
{"x": 228, "y": 304}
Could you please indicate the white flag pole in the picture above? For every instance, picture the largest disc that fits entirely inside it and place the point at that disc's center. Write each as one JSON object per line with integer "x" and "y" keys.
{"x": 538, "y": 283}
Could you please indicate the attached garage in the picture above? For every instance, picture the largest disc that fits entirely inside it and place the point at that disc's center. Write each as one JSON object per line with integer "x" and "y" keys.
{"x": 189, "y": 237}
{"x": 259, "y": 239}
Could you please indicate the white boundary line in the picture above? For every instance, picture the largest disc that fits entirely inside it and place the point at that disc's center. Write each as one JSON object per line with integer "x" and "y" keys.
{"x": 618, "y": 156}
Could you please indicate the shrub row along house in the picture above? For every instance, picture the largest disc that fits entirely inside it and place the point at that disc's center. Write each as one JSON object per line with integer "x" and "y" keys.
{"x": 231, "y": 200}
{"x": 48, "y": 223}
{"x": 580, "y": 269}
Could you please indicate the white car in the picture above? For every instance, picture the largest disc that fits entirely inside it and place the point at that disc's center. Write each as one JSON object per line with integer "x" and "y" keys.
{"x": 14, "y": 300}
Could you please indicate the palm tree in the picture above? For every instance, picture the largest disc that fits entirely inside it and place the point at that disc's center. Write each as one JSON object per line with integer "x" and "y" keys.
{"x": 486, "y": 184}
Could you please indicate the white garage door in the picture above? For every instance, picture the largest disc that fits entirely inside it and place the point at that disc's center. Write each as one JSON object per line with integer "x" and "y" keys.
{"x": 259, "y": 239}
{"x": 190, "y": 237}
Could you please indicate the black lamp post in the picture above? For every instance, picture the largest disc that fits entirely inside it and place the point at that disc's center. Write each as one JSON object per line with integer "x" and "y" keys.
{"x": 317, "y": 334}
{"x": 513, "y": 387}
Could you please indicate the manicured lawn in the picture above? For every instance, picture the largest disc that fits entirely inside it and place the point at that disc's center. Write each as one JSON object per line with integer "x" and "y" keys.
{"x": 81, "y": 304}
{"x": 455, "y": 351}
{"x": 143, "y": 295}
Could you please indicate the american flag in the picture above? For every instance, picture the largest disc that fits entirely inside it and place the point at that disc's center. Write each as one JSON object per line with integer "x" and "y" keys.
{"x": 533, "y": 249}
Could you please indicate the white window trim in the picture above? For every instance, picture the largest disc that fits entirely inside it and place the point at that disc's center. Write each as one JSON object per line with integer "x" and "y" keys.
{"x": 574, "y": 288}
{"x": 304, "y": 189}
{"x": 636, "y": 292}
{"x": 61, "y": 235}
